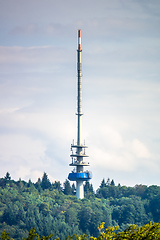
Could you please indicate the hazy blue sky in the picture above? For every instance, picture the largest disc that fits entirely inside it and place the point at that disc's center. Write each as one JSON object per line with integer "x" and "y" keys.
{"x": 121, "y": 88}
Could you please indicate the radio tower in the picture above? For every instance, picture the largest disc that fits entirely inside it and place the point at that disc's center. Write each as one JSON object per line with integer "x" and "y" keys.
{"x": 78, "y": 149}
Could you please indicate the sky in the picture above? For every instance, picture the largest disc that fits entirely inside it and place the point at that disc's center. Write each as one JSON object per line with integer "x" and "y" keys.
{"x": 120, "y": 89}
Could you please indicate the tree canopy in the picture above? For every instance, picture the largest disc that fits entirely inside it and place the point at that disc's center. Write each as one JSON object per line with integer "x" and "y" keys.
{"x": 53, "y": 207}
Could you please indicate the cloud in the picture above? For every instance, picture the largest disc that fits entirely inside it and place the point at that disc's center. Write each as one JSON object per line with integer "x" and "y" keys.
{"x": 120, "y": 42}
{"x": 21, "y": 153}
{"x": 111, "y": 151}
{"x": 30, "y": 29}
{"x": 39, "y": 55}
{"x": 140, "y": 150}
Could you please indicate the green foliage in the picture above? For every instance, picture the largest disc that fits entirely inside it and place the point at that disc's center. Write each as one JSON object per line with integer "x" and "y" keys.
{"x": 57, "y": 185}
{"x": 67, "y": 188}
{"x": 103, "y": 184}
{"x": 49, "y": 208}
{"x": 88, "y": 190}
{"x": 5, "y": 236}
{"x": 133, "y": 232}
{"x": 7, "y": 177}
{"x": 31, "y": 236}
{"x": 45, "y": 184}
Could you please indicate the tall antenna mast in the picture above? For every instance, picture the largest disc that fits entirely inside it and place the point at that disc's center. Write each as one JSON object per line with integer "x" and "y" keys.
{"x": 79, "y": 85}
{"x": 78, "y": 150}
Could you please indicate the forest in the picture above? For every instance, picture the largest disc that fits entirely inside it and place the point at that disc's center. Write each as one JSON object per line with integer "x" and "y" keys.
{"x": 52, "y": 208}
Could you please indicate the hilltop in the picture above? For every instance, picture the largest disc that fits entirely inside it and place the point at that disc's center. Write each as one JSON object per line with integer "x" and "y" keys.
{"x": 54, "y": 208}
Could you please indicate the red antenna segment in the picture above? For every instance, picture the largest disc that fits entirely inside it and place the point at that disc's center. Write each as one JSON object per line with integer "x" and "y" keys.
{"x": 79, "y": 40}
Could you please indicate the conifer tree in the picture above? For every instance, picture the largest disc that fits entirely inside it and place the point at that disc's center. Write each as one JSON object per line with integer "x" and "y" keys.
{"x": 103, "y": 184}
{"x": 45, "y": 182}
{"x": 8, "y": 177}
{"x": 67, "y": 188}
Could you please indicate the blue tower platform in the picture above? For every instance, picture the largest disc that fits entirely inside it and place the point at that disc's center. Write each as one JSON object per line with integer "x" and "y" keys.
{"x": 83, "y": 176}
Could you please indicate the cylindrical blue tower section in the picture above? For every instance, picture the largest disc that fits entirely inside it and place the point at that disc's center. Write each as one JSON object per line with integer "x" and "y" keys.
{"x": 83, "y": 176}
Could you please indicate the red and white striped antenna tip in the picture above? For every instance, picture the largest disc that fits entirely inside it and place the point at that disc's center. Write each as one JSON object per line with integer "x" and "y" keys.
{"x": 79, "y": 40}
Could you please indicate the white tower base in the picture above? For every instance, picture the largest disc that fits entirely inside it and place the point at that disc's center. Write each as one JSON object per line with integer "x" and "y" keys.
{"x": 79, "y": 190}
